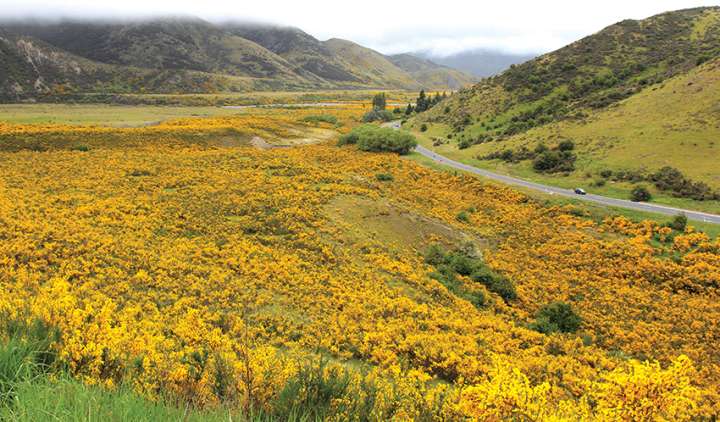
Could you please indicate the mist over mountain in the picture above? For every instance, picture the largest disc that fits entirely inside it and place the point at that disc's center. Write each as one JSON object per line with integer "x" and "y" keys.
{"x": 480, "y": 62}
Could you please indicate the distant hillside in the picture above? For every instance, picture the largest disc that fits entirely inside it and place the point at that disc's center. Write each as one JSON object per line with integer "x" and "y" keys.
{"x": 430, "y": 74}
{"x": 589, "y": 74}
{"x": 190, "y": 55}
{"x": 480, "y": 63}
{"x": 676, "y": 123}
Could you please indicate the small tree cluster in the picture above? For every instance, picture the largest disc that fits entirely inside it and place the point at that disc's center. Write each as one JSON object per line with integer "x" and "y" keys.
{"x": 426, "y": 102}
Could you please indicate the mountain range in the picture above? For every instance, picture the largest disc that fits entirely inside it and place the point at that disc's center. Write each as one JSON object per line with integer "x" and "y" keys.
{"x": 189, "y": 55}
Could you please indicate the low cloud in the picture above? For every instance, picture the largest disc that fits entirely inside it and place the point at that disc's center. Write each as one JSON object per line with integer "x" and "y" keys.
{"x": 444, "y": 28}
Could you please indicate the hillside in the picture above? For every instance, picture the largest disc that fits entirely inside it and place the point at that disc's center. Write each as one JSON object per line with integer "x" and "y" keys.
{"x": 190, "y": 55}
{"x": 299, "y": 48}
{"x": 590, "y": 74}
{"x": 652, "y": 104}
{"x": 371, "y": 66}
{"x": 430, "y": 74}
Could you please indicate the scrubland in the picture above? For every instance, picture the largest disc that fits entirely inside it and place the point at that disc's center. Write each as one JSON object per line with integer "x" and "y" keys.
{"x": 175, "y": 266}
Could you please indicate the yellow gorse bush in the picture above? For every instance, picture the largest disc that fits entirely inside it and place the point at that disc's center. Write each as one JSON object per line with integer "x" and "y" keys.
{"x": 172, "y": 264}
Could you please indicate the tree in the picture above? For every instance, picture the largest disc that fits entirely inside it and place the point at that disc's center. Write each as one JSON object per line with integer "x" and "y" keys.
{"x": 409, "y": 110}
{"x": 379, "y": 101}
{"x": 422, "y": 102}
{"x": 640, "y": 194}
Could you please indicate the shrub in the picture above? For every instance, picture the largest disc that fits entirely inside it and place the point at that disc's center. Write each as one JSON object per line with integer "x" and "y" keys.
{"x": 672, "y": 180}
{"x": 678, "y": 223}
{"x": 379, "y": 101}
{"x": 540, "y": 148}
{"x": 446, "y": 277}
{"x": 566, "y": 145}
{"x": 377, "y": 116}
{"x": 463, "y": 217}
{"x": 465, "y": 143}
{"x": 312, "y": 392}
{"x": 435, "y": 255}
{"x": 376, "y": 139}
{"x": 640, "y": 194}
{"x": 81, "y": 148}
{"x": 606, "y": 174}
{"x": 321, "y": 118}
{"x": 423, "y": 127}
{"x": 384, "y": 177}
{"x": 556, "y": 317}
{"x": 554, "y": 162}
{"x": 461, "y": 263}
{"x": 495, "y": 283}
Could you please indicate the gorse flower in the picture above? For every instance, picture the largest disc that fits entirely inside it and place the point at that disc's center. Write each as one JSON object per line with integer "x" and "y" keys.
{"x": 209, "y": 273}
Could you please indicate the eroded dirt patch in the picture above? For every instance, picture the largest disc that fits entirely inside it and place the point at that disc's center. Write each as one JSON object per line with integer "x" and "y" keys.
{"x": 363, "y": 220}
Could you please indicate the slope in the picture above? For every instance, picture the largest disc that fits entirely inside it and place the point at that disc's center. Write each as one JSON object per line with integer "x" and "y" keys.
{"x": 369, "y": 66}
{"x": 674, "y": 124}
{"x": 299, "y": 48}
{"x": 430, "y": 75}
{"x": 163, "y": 44}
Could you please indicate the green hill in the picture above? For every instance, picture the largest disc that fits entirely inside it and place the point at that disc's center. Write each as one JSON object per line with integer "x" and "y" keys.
{"x": 638, "y": 100}
{"x": 587, "y": 75}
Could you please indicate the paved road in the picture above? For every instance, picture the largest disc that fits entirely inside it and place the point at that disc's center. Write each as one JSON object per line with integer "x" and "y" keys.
{"x": 301, "y": 105}
{"x": 621, "y": 203}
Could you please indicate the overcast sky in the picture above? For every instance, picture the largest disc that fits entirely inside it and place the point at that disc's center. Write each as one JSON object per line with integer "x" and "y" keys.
{"x": 391, "y": 26}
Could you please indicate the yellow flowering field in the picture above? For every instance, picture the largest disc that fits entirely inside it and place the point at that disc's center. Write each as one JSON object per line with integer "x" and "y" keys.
{"x": 211, "y": 272}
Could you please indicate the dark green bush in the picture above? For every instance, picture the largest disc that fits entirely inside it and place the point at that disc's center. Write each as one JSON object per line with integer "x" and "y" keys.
{"x": 556, "y": 317}
{"x": 423, "y": 127}
{"x": 463, "y": 262}
{"x": 384, "y": 177}
{"x": 554, "y": 162}
{"x": 495, "y": 283}
{"x": 566, "y": 145}
{"x": 640, "y": 194}
{"x": 678, "y": 223}
{"x": 376, "y": 139}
